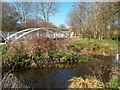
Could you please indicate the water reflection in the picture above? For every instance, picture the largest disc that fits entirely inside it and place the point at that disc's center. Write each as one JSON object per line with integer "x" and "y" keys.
{"x": 58, "y": 78}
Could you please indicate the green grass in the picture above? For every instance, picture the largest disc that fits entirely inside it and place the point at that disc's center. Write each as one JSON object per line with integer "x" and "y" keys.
{"x": 93, "y": 46}
{"x": 67, "y": 55}
{"x": 1, "y": 46}
{"x": 114, "y": 83}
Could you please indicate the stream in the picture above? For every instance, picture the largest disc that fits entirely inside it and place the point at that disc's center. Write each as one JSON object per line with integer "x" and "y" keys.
{"x": 58, "y": 78}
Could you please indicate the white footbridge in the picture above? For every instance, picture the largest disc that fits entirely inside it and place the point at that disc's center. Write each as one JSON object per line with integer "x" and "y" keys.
{"x": 28, "y": 33}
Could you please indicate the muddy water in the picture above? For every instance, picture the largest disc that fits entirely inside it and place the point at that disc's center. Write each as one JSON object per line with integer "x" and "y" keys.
{"x": 58, "y": 78}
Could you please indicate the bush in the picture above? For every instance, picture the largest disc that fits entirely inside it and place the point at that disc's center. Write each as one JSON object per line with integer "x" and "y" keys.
{"x": 37, "y": 49}
{"x": 29, "y": 49}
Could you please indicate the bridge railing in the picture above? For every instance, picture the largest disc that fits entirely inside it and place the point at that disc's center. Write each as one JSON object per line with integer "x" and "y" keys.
{"x": 28, "y": 33}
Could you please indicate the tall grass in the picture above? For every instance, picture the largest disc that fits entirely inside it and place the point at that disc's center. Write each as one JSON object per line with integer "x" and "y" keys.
{"x": 89, "y": 82}
{"x": 92, "y": 46}
{"x": 98, "y": 78}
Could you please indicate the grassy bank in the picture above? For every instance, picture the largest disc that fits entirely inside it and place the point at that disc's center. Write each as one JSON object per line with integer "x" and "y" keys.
{"x": 43, "y": 51}
{"x": 40, "y": 52}
{"x": 93, "y": 82}
{"x": 92, "y": 46}
{"x": 89, "y": 82}
{"x": 98, "y": 79}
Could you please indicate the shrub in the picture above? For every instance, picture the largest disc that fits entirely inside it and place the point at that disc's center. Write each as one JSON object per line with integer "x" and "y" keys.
{"x": 28, "y": 49}
{"x": 39, "y": 49}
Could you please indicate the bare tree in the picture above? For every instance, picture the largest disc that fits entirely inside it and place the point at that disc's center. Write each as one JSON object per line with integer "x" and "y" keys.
{"x": 92, "y": 19}
{"x": 43, "y": 10}
{"x": 24, "y": 8}
{"x": 36, "y": 11}
{"x": 48, "y": 9}
{"x": 62, "y": 26}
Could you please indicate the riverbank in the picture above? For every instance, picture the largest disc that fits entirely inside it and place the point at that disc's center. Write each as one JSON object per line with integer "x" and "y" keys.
{"x": 97, "y": 81}
{"x": 62, "y": 55}
{"x": 44, "y": 52}
{"x": 45, "y": 77}
{"x": 92, "y": 46}
{"x": 93, "y": 82}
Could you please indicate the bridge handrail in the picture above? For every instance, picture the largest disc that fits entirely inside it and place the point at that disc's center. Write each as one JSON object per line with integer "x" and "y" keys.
{"x": 3, "y": 36}
{"x": 57, "y": 30}
{"x": 19, "y": 32}
{"x": 31, "y": 31}
{"x": 26, "y": 31}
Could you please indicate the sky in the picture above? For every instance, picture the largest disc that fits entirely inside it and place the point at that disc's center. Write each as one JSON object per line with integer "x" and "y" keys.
{"x": 61, "y": 15}
{"x": 63, "y": 10}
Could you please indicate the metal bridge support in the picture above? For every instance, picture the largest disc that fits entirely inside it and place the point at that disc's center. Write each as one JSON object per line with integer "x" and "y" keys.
{"x": 23, "y": 33}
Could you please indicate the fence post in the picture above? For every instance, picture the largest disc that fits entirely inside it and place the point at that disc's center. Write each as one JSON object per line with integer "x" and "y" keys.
{"x": 56, "y": 35}
{"x": 38, "y": 34}
{"x": 71, "y": 34}
{"x": 8, "y": 34}
{"x": 53, "y": 35}
{"x": 15, "y": 36}
{"x": 30, "y": 35}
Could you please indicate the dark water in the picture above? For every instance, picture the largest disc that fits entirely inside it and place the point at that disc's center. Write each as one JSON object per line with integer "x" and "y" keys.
{"x": 58, "y": 78}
